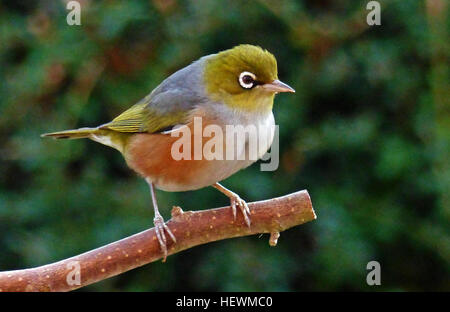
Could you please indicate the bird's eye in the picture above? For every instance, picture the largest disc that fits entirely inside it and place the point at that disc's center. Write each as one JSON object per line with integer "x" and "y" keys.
{"x": 247, "y": 80}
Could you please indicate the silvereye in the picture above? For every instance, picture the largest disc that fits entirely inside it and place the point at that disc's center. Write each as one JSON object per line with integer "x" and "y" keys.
{"x": 233, "y": 87}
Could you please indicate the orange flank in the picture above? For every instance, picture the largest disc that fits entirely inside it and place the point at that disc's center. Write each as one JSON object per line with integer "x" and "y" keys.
{"x": 151, "y": 156}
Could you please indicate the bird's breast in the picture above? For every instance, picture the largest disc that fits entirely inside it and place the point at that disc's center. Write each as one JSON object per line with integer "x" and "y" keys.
{"x": 210, "y": 148}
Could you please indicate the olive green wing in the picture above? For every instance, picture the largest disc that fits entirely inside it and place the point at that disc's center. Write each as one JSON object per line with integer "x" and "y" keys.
{"x": 140, "y": 118}
{"x": 144, "y": 118}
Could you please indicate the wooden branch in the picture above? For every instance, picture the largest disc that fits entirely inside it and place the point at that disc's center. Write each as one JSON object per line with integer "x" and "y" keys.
{"x": 190, "y": 228}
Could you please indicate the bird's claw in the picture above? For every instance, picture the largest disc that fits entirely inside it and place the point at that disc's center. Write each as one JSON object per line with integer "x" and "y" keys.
{"x": 160, "y": 227}
{"x": 237, "y": 201}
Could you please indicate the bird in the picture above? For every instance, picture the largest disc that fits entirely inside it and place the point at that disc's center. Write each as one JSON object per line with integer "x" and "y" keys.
{"x": 233, "y": 87}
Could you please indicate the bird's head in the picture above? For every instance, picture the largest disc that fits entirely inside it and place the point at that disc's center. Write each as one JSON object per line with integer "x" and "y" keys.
{"x": 244, "y": 78}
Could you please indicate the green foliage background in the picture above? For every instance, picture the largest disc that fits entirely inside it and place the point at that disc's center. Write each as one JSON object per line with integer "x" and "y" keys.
{"x": 367, "y": 133}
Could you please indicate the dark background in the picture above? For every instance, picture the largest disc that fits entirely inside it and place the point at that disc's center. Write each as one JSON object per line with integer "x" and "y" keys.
{"x": 367, "y": 133}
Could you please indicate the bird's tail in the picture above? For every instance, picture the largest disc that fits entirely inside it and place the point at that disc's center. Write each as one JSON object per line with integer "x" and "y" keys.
{"x": 72, "y": 134}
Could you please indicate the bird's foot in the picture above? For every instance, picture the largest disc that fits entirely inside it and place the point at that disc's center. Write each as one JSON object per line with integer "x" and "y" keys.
{"x": 235, "y": 200}
{"x": 160, "y": 227}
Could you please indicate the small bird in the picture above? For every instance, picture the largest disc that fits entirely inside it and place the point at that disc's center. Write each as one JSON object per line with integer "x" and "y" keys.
{"x": 233, "y": 87}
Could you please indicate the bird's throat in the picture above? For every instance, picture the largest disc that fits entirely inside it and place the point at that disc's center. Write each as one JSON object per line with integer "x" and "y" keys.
{"x": 256, "y": 102}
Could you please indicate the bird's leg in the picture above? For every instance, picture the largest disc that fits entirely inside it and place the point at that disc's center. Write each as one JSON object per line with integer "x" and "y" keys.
{"x": 160, "y": 226}
{"x": 235, "y": 200}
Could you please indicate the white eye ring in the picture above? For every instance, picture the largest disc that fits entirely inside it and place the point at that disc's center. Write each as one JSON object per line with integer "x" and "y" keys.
{"x": 246, "y": 85}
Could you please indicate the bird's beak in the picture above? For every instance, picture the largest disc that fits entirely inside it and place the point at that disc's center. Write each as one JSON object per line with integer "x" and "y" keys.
{"x": 277, "y": 86}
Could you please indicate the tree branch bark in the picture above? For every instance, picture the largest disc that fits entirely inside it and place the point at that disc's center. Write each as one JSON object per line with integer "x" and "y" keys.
{"x": 190, "y": 228}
